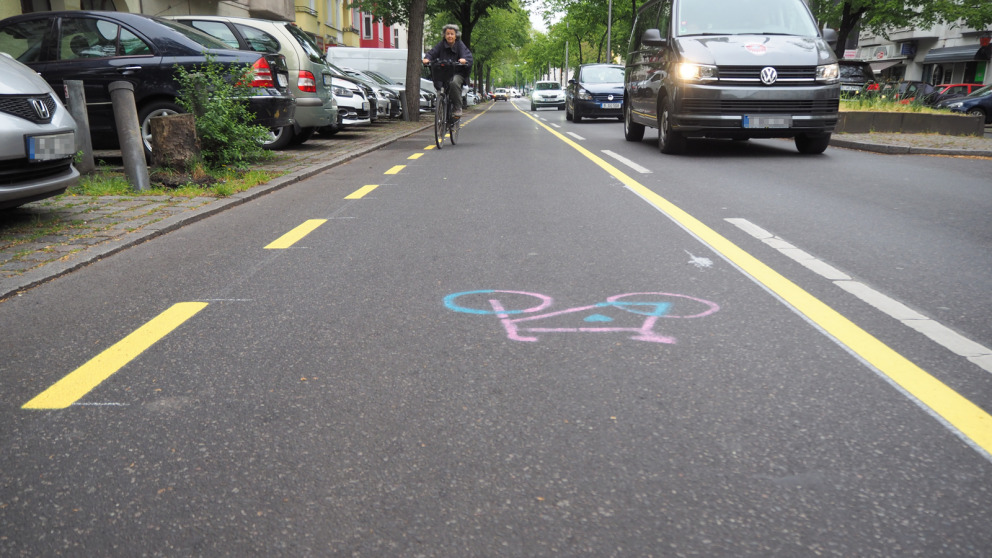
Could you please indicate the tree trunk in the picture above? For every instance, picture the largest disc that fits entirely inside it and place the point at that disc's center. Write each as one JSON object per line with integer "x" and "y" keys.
{"x": 414, "y": 59}
{"x": 174, "y": 141}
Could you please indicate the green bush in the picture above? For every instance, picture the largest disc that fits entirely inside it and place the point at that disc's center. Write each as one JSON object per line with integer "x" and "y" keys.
{"x": 218, "y": 100}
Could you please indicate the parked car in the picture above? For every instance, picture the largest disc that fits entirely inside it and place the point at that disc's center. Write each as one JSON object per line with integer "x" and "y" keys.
{"x": 356, "y": 100}
{"x": 951, "y": 90}
{"x": 37, "y": 137}
{"x": 501, "y": 94}
{"x": 387, "y": 99}
{"x": 734, "y": 69}
{"x": 595, "y": 91}
{"x": 906, "y": 92}
{"x": 103, "y": 47}
{"x": 428, "y": 99}
{"x": 856, "y": 76}
{"x": 309, "y": 77}
{"x": 978, "y": 102}
{"x": 547, "y": 94}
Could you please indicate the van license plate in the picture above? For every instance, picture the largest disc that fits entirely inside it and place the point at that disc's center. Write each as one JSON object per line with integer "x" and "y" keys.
{"x": 610, "y": 105}
{"x": 762, "y": 122}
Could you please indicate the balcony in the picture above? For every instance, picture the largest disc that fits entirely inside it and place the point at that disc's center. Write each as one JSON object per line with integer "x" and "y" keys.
{"x": 281, "y": 10}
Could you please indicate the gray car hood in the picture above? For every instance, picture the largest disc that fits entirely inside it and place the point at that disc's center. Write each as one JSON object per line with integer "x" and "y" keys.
{"x": 15, "y": 77}
{"x": 755, "y": 50}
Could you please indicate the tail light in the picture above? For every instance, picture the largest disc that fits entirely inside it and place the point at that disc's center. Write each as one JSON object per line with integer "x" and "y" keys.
{"x": 263, "y": 74}
{"x": 307, "y": 83}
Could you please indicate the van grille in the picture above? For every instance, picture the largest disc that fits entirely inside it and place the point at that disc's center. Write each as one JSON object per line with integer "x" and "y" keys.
{"x": 799, "y": 75}
{"x": 744, "y": 106}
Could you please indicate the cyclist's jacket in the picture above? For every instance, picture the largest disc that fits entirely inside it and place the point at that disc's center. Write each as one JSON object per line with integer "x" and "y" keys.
{"x": 442, "y": 51}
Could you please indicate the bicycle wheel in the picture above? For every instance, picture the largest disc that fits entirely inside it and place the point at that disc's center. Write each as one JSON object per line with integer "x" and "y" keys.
{"x": 440, "y": 123}
{"x": 455, "y": 125}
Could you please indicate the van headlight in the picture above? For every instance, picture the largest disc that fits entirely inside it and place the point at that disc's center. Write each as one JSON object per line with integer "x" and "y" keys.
{"x": 690, "y": 71}
{"x": 829, "y": 73}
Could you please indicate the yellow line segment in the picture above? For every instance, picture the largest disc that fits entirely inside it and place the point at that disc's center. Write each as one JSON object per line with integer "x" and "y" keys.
{"x": 294, "y": 236}
{"x": 415, "y": 156}
{"x": 973, "y": 422}
{"x": 396, "y": 169}
{"x": 81, "y": 381}
{"x": 360, "y": 193}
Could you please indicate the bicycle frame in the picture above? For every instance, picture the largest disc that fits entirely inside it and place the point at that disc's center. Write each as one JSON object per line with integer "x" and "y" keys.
{"x": 445, "y": 125}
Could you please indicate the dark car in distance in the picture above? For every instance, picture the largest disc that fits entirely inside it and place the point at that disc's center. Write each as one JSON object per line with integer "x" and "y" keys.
{"x": 595, "y": 91}
{"x": 855, "y": 77}
{"x": 946, "y": 91}
{"x": 978, "y": 103}
{"x": 99, "y": 48}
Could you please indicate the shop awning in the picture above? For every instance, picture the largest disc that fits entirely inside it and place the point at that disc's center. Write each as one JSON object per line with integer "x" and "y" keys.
{"x": 883, "y": 64}
{"x": 956, "y": 54}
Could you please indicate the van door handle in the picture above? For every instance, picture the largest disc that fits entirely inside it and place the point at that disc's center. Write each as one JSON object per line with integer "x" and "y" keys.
{"x": 126, "y": 70}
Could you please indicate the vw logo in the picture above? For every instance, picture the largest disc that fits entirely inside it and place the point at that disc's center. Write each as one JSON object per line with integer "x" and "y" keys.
{"x": 40, "y": 109}
{"x": 609, "y": 97}
{"x": 768, "y": 75}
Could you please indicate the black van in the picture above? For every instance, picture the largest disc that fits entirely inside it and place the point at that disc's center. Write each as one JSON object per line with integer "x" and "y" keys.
{"x": 730, "y": 69}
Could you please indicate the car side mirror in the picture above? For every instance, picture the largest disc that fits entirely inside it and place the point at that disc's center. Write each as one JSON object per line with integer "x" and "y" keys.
{"x": 652, "y": 37}
{"x": 571, "y": 82}
{"x": 830, "y": 36}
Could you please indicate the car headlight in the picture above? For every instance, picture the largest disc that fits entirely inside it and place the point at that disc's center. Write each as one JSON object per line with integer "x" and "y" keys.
{"x": 954, "y": 105}
{"x": 584, "y": 95}
{"x": 341, "y": 91}
{"x": 690, "y": 71}
{"x": 829, "y": 73}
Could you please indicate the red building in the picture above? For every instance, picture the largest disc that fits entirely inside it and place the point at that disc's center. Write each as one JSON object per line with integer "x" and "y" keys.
{"x": 375, "y": 34}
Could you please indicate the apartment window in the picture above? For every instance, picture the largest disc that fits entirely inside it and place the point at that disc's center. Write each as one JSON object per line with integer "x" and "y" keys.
{"x": 366, "y": 26}
{"x": 396, "y": 38}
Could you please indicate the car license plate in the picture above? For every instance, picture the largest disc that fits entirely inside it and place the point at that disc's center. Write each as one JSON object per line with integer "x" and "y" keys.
{"x": 762, "y": 122}
{"x": 52, "y": 146}
{"x": 610, "y": 105}
{"x": 282, "y": 79}
{"x": 849, "y": 88}
{"x": 365, "y": 105}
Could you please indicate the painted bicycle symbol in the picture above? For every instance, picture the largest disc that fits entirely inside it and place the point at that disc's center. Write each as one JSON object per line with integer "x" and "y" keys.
{"x": 643, "y": 310}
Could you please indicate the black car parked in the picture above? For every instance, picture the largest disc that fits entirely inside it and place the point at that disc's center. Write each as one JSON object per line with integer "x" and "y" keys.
{"x": 855, "y": 77}
{"x": 103, "y": 47}
{"x": 595, "y": 91}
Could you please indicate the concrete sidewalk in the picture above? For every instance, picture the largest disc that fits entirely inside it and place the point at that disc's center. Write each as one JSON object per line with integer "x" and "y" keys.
{"x": 92, "y": 228}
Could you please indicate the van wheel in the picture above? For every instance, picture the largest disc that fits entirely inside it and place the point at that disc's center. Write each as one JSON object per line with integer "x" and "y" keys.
{"x": 812, "y": 144}
{"x": 669, "y": 141}
{"x": 632, "y": 131}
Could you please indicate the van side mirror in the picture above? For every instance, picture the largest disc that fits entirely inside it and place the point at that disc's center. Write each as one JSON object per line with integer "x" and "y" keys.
{"x": 652, "y": 37}
{"x": 830, "y": 36}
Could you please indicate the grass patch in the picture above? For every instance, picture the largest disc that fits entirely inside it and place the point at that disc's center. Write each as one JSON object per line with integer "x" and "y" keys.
{"x": 879, "y": 104}
{"x": 201, "y": 182}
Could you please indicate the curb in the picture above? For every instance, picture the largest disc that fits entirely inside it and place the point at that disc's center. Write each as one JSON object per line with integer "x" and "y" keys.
{"x": 906, "y": 150}
{"x": 32, "y": 278}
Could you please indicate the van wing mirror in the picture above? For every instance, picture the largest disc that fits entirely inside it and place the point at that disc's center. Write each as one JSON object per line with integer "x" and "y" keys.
{"x": 830, "y": 36}
{"x": 652, "y": 37}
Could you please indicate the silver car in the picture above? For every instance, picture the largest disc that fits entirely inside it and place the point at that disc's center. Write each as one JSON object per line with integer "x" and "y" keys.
{"x": 37, "y": 137}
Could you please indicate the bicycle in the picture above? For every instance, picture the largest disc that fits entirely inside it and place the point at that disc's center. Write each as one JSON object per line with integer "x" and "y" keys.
{"x": 442, "y": 71}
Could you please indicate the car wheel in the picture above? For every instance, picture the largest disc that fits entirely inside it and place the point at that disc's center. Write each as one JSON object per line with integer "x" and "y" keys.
{"x": 304, "y": 135}
{"x": 632, "y": 131}
{"x": 532, "y": 107}
{"x": 568, "y": 114}
{"x": 279, "y": 138}
{"x": 576, "y": 117}
{"x": 812, "y": 144}
{"x": 561, "y": 107}
{"x": 149, "y": 111}
{"x": 669, "y": 141}
{"x": 975, "y": 111}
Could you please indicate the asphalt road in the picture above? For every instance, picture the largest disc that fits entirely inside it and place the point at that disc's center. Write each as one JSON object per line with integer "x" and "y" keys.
{"x": 522, "y": 345}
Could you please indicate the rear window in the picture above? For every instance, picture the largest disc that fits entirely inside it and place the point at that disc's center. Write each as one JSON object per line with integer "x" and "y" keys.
{"x": 547, "y": 86}
{"x": 200, "y": 37}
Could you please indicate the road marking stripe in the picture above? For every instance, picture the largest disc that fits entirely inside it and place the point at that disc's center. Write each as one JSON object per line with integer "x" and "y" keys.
{"x": 577, "y": 136}
{"x": 415, "y": 156}
{"x": 78, "y": 383}
{"x": 360, "y": 193}
{"x": 293, "y": 236}
{"x": 396, "y": 169}
{"x": 627, "y": 162}
{"x": 937, "y": 332}
{"x": 966, "y": 419}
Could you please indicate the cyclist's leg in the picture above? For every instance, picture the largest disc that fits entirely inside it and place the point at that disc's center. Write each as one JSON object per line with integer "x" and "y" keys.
{"x": 455, "y": 92}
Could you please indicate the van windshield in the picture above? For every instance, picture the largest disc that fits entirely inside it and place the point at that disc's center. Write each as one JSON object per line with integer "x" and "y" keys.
{"x": 744, "y": 17}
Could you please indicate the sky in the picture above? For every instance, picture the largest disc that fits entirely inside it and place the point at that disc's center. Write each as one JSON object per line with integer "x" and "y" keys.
{"x": 535, "y": 16}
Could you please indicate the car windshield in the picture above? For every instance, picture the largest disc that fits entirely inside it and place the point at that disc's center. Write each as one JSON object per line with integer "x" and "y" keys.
{"x": 547, "y": 86}
{"x": 745, "y": 17}
{"x": 381, "y": 78}
{"x": 983, "y": 91}
{"x": 601, "y": 74}
{"x": 199, "y": 36}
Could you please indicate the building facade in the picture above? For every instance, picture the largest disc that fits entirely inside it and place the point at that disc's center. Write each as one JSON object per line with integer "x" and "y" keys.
{"x": 945, "y": 53}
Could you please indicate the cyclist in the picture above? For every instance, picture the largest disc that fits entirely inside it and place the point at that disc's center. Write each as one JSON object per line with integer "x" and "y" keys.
{"x": 452, "y": 48}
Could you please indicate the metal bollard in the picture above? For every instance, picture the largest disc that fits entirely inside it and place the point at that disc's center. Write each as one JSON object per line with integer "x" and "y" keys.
{"x": 129, "y": 135}
{"x": 75, "y": 97}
